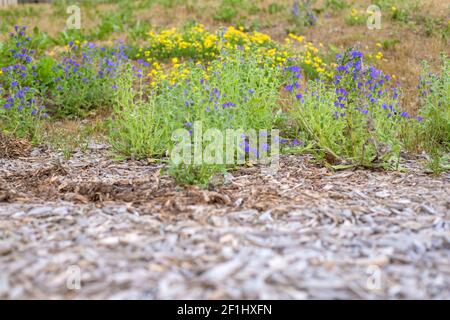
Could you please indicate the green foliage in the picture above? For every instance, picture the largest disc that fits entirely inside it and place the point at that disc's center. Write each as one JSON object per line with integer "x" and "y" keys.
{"x": 347, "y": 125}
{"x": 66, "y": 36}
{"x": 389, "y": 44}
{"x": 194, "y": 175}
{"x": 113, "y": 21}
{"x": 45, "y": 71}
{"x": 237, "y": 94}
{"x": 136, "y": 128}
{"x": 84, "y": 81}
{"x": 274, "y": 8}
{"x": 20, "y": 111}
{"x": 231, "y": 10}
{"x": 434, "y": 129}
{"x": 226, "y": 13}
{"x": 433, "y": 26}
{"x": 139, "y": 30}
{"x": 435, "y": 106}
{"x": 401, "y": 15}
{"x": 21, "y": 121}
{"x": 356, "y": 18}
{"x": 302, "y": 13}
{"x": 336, "y": 4}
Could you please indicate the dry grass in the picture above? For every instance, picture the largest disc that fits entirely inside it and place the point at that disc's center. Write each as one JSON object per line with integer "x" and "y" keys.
{"x": 71, "y": 135}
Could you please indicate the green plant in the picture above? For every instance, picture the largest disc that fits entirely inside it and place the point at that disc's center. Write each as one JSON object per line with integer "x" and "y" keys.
{"x": 302, "y": 13}
{"x": 229, "y": 10}
{"x": 21, "y": 111}
{"x": 113, "y": 21}
{"x": 170, "y": 3}
{"x": 434, "y": 112}
{"x": 45, "y": 72}
{"x": 336, "y": 4}
{"x": 274, "y": 8}
{"x": 66, "y": 36}
{"x": 194, "y": 175}
{"x": 236, "y": 91}
{"x": 390, "y": 44}
{"x": 136, "y": 128}
{"x": 438, "y": 162}
{"x": 226, "y": 13}
{"x": 356, "y": 119}
{"x": 85, "y": 79}
{"x": 432, "y": 26}
{"x": 401, "y": 15}
{"x": 139, "y": 30}
{"x": 356, "y": 17}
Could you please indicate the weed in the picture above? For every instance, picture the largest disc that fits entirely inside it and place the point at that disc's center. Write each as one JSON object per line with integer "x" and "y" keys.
{"x": 136, "y": 130}
{"x": 356, "y": 120}
{"x": 302, "y": 13}
{"x": 434, "y": 128}
{"x": 19, "y": 96}
{"x": 84, "y": 80}
{"x": 356, "y": 17}
{"x": 274, "y": 8}
{"x": 336, "y": 4}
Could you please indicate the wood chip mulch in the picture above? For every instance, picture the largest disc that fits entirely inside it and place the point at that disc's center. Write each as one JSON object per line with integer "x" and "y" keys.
{"x": 92, "y": 227}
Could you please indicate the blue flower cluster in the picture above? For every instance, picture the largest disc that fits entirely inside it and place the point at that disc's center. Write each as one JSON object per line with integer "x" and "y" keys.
{"x": 85, "y": 76}
{"x": 364, "y": 88}
{"x": 19, "y": 79}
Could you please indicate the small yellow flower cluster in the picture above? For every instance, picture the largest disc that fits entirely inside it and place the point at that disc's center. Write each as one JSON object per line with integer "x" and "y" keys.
{"x": 235, "y": 36}
{"x": 173, "y": 73}
{"x": 272, "y": 56}
{"x": 356, "y": 17}
{"x": 201, "y": 45}
{"x": 292, "y": 37}
{"x": 312, "y": 59}
{"x": 195, "y": 42}
{"x": 308, "y": 55}
{"x": 379, "y": 55}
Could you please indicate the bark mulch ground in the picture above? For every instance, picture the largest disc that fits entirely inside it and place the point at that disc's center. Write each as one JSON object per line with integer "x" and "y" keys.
{"x": 125, "y": 230}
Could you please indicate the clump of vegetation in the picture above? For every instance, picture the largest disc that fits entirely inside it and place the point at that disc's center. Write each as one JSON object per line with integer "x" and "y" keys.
{"x": 336, "y": 4}
{"x": 21, "y": 109}
{"x": 274, "y": 8}
{"x": 85, "y": 78}
{"x": 136, "y": 129}
{"x": 434, "y": 128}
{"x": 303, "y": 13}
{"x": 356, "y": 17}
{"x": 355, "y": 119}
{"x": 235, "y": 91}
{"x": 229, "y": 10}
